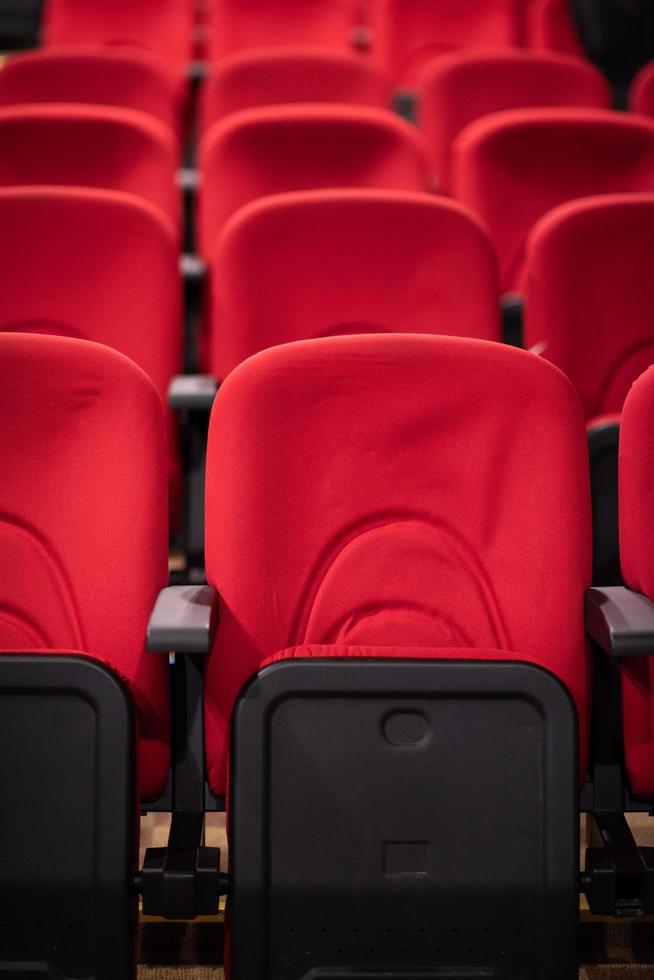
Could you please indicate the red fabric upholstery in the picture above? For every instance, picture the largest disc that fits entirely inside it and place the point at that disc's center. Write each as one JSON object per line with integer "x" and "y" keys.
{"x": 326, "y": 652}
{"x": 266, "y": 76}
{"x": 238, "y": 24}
{"x": 458, "y": 88}
{"x": 377, "y": 491}
{"x": 409, "y": 33}
{"x": 303, "y": 147}
{"x": 641, "y": 96}
{"x": 97, "y": 265}
{"x": 90, "y": 146}
{"x": 163, "y": 27}
{"x": 83, "y": 517}
{"x": 512, "y": 167}
{"x": 102, "y": 76}
{"x": 393, "y": 261}
{"x": 636, "y": 550}
{"x": 550, "y": 26}
{"x": 590, "y": 295}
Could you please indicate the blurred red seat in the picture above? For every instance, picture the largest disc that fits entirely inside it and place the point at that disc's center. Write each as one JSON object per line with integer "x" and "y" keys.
{"x": 455, "y": 89}
{"x": 318, "y": 263}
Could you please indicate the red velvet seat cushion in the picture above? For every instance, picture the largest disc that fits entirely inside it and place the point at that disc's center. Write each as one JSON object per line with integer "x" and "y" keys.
{"x": 409, "y": 491}
{"x": 96, "y": 265}
{"x": 93, "y": 75}
{"x": 83, "y": 528}
{"x": 641, "y": 96}
{"x": 515, "y": 166}
{"x": 286, "y": 75}
{"x": 409, "y": 33}
{"x": 590, "y": 295}
{"x": 303, "y": 147}
{"x": 339, "y": 262}
{"x": 636, "y": 551}
{"x": 131, "y": 151}
{"x": 239, "y": 24}
{"x": 455, "y": 89}
{"x": 162, "y": 27}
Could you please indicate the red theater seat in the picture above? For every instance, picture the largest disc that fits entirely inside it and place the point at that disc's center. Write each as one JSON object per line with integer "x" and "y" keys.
{"x": 550, "y": 26}
{"x": 238, "y": 24}
{"x": 641, "y": 97}
{"x": 515, "y": 166}
{"x": 590, "y": 295}
{"x": 376, "y": 491}
{"x": 456, "y": 89}
{"x": 409, "y": 33}
{"x": 338, "y": 262}
{"x": 83, "y": 520}
{"x": 102, "y": 76}
{"x": 307, "y": 147}
{"x": 90, "y": 146}
{"x": 99, "y": 266}
{"x": 270, "y": 76}
{"x": 636, "y": 549}
{"x": 162, "y": 28}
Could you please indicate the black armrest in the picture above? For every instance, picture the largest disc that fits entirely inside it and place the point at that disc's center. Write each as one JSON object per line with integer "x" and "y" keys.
{"x": 193, "y": 392}
{"x": 184, "y": 620}
{"x": 620, "y": 621}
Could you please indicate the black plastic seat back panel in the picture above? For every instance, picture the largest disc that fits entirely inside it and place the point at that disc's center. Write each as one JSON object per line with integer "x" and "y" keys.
{"x": 68, "y": 821}
{"x": 404, "y": 819}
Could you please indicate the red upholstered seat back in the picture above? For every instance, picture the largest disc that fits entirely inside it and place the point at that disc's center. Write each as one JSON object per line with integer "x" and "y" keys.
{"x": 641, "y": 97}
{"x": 270, "y": 76}
{"x": 550, "y": 26}
{"x": 590, "y": 295}
{"x": 238, "y": 24}
{"x": 338, "y": 262}
{"x": 636, "y": 550}
{"x": 513, "y": 167}
{"x": 96, "y": 265}
{"x": 83, "y": 517}
{"x": 395, "y": 490}
{"x": 409, "y": 33}
{"x": 90, "y": 146}
{"x": 303, "y": 147}
{"x": 163, "y": 27}
{"x": 458, "y": 88}
{"x": 100, "y": 76}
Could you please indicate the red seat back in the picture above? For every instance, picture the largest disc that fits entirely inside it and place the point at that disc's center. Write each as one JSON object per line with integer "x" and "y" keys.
{"x": 238, "y": 24}
{"x": 83, "y": 518}
{"x": 513, "y": 167}
{"x": 458, "y": 88}
{"x": 550, "y": 26}
{"x": 590, "y": 295}
{"x": 285, "y": 75}
{"x": 90, "y": 146}
{"x": 306, "y": 147}
{"x": 163, "y": 27}
{"x": 101, "y": 76}
{"x": 636, "y": 550}
{"x": 338, "y": 262}
{"x": 641, "y": 96}
{"x": 377, "y": 491}
{"x": 99, "y": 266}
{"x": 409, "y": 33}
